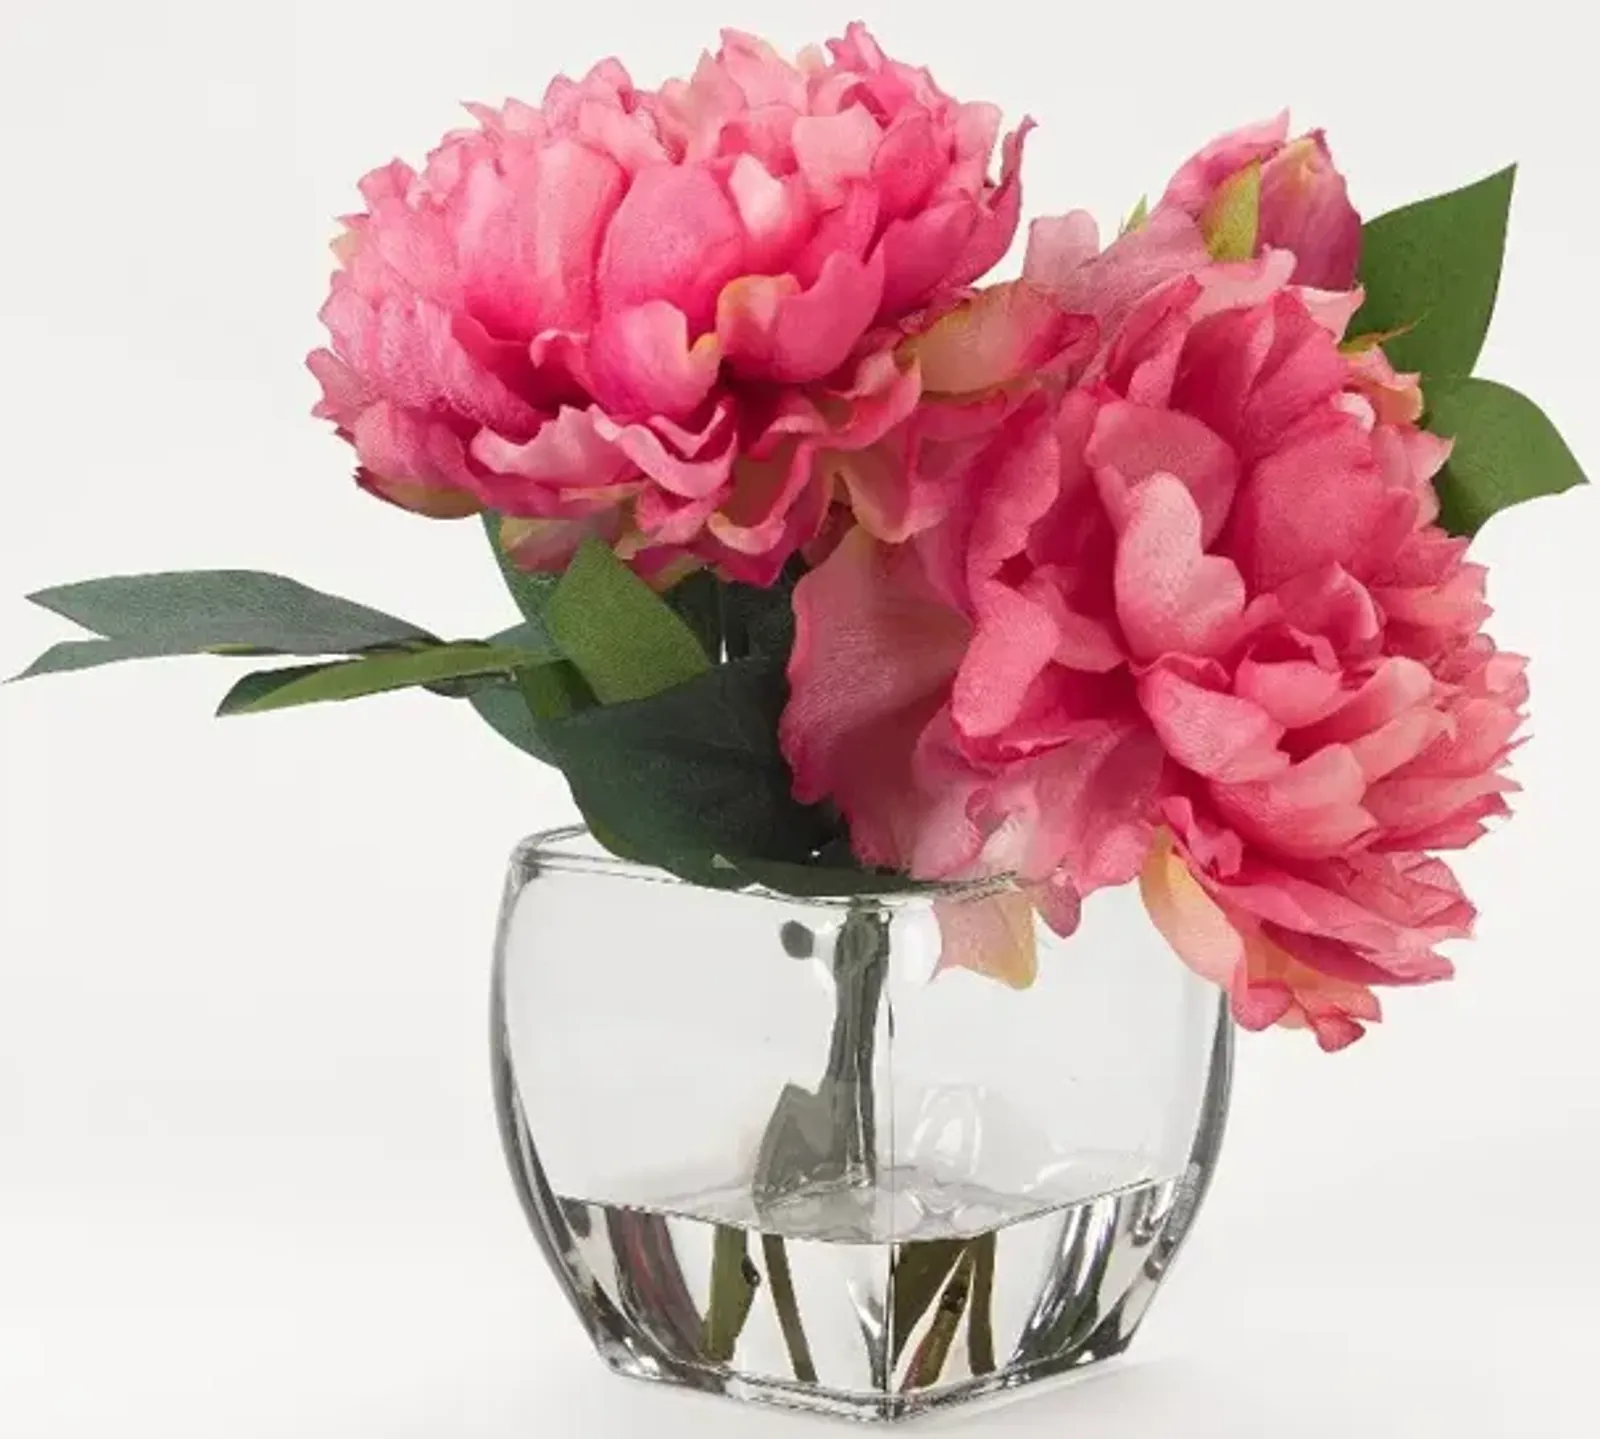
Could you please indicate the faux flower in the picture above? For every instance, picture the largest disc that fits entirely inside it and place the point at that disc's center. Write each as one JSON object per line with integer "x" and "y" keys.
{"x": 1185, "y": 615}
{"x": 1304, "y": 204}
{"x": 653, "y": 315}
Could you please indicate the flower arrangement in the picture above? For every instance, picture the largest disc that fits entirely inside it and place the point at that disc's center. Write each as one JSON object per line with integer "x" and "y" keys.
{"x": 839, "y": 569}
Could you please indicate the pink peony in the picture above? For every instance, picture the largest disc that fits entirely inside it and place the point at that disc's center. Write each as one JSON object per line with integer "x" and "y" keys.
{"x": 1305, "y": 205}
{"x": 1185, "y": 615}
{"x": 651, "y": 315}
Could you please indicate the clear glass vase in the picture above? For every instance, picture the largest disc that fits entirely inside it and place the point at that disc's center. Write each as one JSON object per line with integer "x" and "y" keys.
{"x": 771, "y": 1153}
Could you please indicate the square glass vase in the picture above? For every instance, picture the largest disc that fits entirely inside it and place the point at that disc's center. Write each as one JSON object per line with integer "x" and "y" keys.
{"x": 772, "y": 1151}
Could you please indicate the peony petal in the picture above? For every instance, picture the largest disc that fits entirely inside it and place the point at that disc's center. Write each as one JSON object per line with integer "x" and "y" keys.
{"x": 834, "y": 150}
{"x": 1001, "y": 334}
{"x": 1312, "y": 809}
{"x": 1211, "y": 733}
{"x": 1395, "y": 686}
{"x": 919, "y": 252}
{"x": 994, "y": 935}
{"x": 1014, "y": 641}
{"x": 692, "y": 479}
{"x": 995, "y": 225}
{"x": 908, "y": 164}
{"x": 1058, "y": 248}
{"x": 641, "y": 362}
{"x": 770, "y": 329}
{"x": 675, "y": 238}
{"x": 754, "y": 517}
{"x": 1315, "y": 502}
{"x": 1170, "y": 595}
{"x": 775, "y": 213}
{"x": 1192, "y": 186}
{"x": 1188, "y": 918}
{"x": 527, "y": 236}
{"x": 1139, "y": 441}
{"x": 567, "y": 451}
{"x": 1305, "y": 207}
{"x": 547, "y": 545}
{"x": 1294, "y": 692}
{"x": 874, "y": 654}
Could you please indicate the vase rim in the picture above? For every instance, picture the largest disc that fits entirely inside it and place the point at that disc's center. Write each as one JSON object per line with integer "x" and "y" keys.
{"x": 574, "y": 849}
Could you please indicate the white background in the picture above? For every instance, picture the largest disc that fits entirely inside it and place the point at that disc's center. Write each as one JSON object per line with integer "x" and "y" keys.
{"x": 249, "y": 1183}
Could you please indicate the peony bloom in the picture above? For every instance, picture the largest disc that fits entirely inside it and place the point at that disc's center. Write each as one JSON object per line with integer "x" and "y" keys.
{"x": 653, "y": 315}
{"x": 1185, "y": 615}
{"x": 1304, "y": 203}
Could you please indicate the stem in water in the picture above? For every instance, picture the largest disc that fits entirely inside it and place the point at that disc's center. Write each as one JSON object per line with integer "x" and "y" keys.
{"x": 830, "y": 1135}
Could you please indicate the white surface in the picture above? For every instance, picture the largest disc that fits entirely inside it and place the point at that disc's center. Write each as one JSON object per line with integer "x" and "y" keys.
{"x": 249, "y": 1184}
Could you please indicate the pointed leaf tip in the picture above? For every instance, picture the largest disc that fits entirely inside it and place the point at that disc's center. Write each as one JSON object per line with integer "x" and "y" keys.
{"x": 1431, "y": 270}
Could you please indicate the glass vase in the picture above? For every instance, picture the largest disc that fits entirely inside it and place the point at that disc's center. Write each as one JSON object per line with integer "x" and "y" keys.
{"x": 771, "y": 1151}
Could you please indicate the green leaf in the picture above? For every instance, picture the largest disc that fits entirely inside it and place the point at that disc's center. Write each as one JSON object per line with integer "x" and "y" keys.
{"x": 1435, "y": 266}
{"x": 698, "y": 601}
{"x": 502, "y": 707}
{"x": 624, "y": 639}
{"x": 761, "y": 621}
{"x": 692, "y": 773}
{"x": 1506, "y": 451}
{"x": 375, "y": 674}
{"x": 87, "y": 654}
{"x": 514, "y": 706}
{"x": 1136, "y": 217}
{"x": 199, "y": 611}
{"x": 530, "y": 591}
{"x": 1232, "y": 217}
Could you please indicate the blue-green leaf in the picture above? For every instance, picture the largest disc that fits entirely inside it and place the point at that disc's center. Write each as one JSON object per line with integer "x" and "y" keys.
{"x": 199, "y": 611}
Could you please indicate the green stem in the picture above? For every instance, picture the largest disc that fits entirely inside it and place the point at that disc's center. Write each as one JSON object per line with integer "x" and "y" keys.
{"x": 929, "y": 1361}
{"x": 734, "y": 1281}
{"x": 783, "y": 1296}
{"x": 861, "y": 969}
{"x": 980, "y": 1328}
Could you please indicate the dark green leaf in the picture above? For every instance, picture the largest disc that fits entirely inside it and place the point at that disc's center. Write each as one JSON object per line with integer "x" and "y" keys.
{"x": 691, "y": 773}
{"x": 623, "y": 637}
{"x": 530, "y": 591}
{"x": 375, "y": 674}
{"x": 698, "y": 600}
{"x": 512, "y": 706}
{"x": 195, "y": 611}
{"x": 1435, "y": 266}
{"x": 1506, "y": 451}
{"x": 502, "y": 707}
{"x": 761, "y": 621}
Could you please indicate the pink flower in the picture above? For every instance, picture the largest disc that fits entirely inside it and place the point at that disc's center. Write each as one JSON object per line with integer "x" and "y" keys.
{"x": 1185, "y": 615}
{"x": 1305, "y": 205}
{"x": 650, "y": 315}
